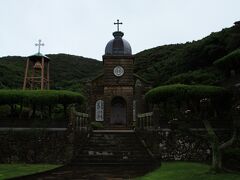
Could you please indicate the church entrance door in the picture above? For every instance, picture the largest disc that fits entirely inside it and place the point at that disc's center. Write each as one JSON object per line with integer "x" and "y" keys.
{"x": 118, "y": 111}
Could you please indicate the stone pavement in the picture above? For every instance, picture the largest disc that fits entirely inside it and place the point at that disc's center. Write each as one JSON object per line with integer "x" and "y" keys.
{"x": 91, "y": 172}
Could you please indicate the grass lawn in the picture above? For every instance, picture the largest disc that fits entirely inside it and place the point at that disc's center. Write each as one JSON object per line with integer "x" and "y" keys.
{"x": 186, "y": 171}
{"x": 13, "y": 170}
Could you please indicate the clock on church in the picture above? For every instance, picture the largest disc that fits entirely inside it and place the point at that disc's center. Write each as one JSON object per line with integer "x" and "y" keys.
{"x": 118, "y": 71}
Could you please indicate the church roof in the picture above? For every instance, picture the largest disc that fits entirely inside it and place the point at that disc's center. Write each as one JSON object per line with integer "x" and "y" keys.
{"x": 37, "y": 56}
{"x": 118, "y": 45}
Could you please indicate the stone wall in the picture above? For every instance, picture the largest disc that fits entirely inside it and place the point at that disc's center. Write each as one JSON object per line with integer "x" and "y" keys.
{"x": 174, "y": 145}
{"x": 41, "y": 146}
{"x": 35, "y": 146}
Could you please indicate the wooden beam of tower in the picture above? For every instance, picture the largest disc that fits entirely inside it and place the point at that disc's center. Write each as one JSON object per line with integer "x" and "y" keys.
{"x": 33, "y": 73}
{"x": 26, "y": 74}
{"x": 42, "y": 75}
{"x": 48, "y": 79}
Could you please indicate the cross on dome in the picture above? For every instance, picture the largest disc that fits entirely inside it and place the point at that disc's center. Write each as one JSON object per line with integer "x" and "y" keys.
{"x": 118, "y": 23}
{"x": 39, "y": 44}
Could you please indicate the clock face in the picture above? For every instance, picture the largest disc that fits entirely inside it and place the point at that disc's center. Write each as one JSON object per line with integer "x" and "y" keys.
{"x": 118, "y": 71}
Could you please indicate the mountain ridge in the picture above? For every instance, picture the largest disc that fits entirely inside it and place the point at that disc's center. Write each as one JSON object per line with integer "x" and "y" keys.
{"x": 188, "y": 63}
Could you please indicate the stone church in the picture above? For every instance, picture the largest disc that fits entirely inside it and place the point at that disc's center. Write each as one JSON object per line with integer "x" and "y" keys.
{"x": 117, "y": 95}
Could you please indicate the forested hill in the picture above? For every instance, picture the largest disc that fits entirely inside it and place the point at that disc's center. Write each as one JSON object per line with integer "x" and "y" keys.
{"x": 190, "y": 63}
{"x": 66, "y": 71}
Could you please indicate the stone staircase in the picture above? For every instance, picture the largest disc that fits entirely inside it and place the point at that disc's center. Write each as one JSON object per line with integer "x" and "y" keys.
{"x": 112, "y": 147}
{"x": 105, "y": 154}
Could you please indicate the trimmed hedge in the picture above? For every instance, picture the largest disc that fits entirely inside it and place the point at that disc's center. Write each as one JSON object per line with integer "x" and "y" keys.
{"x": 207, "y": 77}
{"x": 46, "y": 97}
{"x": 230, "y": 61}
{"x": 231, "y": 158}
{"x": 184, "y": 92}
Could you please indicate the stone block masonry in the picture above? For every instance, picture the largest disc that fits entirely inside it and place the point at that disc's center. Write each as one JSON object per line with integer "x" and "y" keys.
{"x": 177, "y": 146}
{"x": 35, "y": 146}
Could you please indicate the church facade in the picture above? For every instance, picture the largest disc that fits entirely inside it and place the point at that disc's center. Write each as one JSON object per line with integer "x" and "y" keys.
{"x": 117, "y": 95}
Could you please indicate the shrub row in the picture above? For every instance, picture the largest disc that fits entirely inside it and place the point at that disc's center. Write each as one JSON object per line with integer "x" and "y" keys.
{"x": 231, "y": 158}
{"x": 209, "y": 77}
{"x": 185, "y": 92}
{"x": 230, "y": 61}
{"x": 46, "y": 97}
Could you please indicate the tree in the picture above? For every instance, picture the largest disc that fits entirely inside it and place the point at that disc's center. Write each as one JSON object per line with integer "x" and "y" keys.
{"x": 216, "y": 145}
{"x": 210, "y": 98}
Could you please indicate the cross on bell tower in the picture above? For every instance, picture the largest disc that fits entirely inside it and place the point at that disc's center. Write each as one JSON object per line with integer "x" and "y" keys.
{"x": 118, "y": 23}
{"x": 37, "y": 70}
{"x": 39, "y": 44}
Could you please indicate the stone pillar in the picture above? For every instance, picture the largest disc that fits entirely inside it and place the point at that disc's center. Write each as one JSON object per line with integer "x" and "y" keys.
{"x": 156, "y": 116}
{"x": 138, "y": 97}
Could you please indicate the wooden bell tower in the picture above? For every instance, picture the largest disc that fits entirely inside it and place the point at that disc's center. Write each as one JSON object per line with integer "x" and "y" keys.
{"x": 37, "y": 71}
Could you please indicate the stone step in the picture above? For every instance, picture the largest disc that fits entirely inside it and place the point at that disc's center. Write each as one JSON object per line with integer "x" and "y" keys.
{"x": 112, "y": 158}
{"x": 104, "y": 150}
{"x": 112, "y": 131}
{"x": 110, "y": 154}
{"x": 111, "y": 146}
{"x": 125, "y": 139}
{"x": 113, "y": 138}
{"x": 115, "y": 141}
{"x": 116, "y": 151}
{"x": 118, "y": 163}
{"x": 107, "y": 143}
{"x": 100, "y": 135}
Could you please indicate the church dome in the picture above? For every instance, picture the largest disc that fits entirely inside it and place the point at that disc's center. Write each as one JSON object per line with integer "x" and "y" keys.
{"x": 118, "y": 46}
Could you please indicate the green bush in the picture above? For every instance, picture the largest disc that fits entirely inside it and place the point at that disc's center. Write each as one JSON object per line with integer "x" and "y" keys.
{"x": 230, "y": 61}
{"x": 96, "y": 125}
{"x": 185, "y": 92}
{"x": 68, "y": 71}
{"x": 232, "y": 153}
{"x": 231, "y": 158}
{"x": 46, "y": 97}
{"x": 4, "y": 109}
{"x": 209, "y": 77}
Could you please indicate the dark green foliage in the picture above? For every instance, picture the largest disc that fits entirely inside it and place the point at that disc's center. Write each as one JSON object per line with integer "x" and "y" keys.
{"x": 96, "y": 125}
{"x": 171, "y": 63}
{"x": 66, "y": 71}
{"x": 12, "y": 71}
{"x": 230, "y": 61}
{"x": 47, "y": 97}
{"x": 231, "y": 158}
{"x": 71, "y": 72}
{"x": 232, "y": 153}
{"x": 207, "y": 76}
{"x": 184, "y": 92}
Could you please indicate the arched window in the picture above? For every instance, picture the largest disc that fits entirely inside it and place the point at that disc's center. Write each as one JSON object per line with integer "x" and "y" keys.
{"x": 99, "y": 110}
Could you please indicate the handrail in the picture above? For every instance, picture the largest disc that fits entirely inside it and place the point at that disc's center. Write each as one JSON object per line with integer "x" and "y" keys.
{"x": 145, "y": 121}
{"x": 78, "y": 120}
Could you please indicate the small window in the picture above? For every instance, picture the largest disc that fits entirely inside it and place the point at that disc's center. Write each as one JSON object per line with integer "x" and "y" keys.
{"x": 99, "y": 110}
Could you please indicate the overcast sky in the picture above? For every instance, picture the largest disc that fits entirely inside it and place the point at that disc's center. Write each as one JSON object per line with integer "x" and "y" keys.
{"x": 83, "y": 27}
